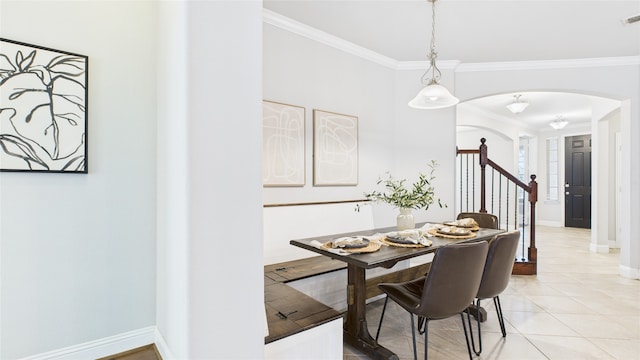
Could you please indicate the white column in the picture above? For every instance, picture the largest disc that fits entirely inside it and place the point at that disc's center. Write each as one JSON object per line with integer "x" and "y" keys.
{"x": 210, "y": 248}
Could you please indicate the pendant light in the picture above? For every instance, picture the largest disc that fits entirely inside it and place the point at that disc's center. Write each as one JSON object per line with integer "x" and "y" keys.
{"x": 433, "y": 95}
{"x": 517, "y": 106}
{"x": 559, "y": 123}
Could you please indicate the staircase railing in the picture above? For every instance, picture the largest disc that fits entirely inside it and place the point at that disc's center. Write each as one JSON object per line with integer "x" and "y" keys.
{"x": 505, "y": 193}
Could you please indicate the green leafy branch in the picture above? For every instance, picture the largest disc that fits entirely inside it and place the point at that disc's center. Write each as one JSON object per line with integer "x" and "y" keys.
{"x": 419, "y": 195}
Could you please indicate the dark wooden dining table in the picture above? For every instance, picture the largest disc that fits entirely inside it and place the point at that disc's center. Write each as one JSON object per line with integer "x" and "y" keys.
{"x": 356, "y": 332}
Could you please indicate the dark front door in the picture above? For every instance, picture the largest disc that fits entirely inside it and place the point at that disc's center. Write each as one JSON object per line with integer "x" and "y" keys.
{"x": 577, "y": 187}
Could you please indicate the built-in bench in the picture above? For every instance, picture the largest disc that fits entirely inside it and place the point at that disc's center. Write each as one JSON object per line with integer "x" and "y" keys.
{"x": 290, "y": 311}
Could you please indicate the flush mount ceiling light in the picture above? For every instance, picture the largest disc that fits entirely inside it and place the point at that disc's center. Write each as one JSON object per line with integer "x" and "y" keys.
{"x": 558, "y": 123}
{"x": 433, "y": 95}
{"x": 517, "y": 106}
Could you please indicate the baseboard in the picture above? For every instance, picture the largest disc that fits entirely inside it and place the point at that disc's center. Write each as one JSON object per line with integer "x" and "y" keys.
{"x": 101, "y": 347}
{"x": 162, "y": 346}
{"x": 600, "y": 249}
{"x": 629, "y": 273}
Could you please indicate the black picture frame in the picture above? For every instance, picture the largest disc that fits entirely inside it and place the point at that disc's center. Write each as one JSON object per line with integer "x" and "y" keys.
{"x": 43, "y": 109}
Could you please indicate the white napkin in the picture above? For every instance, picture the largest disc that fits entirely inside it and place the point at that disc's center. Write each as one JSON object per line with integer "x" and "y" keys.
{"x": 454, "y": 230}
{"x": 416, "y": 236}
{"x": 428, "y": 226}
{"x": 467, "y": 222}
{"x": 319, "y": 245}
{"x": 411, "y": 235}
{"x": 348, "y": 240}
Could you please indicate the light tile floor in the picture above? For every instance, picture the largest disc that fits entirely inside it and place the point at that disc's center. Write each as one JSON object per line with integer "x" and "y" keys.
{"x": 577, "y": 307}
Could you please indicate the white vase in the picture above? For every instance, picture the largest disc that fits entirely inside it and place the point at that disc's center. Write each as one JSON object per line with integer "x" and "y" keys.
{"x": 405, "y": 220}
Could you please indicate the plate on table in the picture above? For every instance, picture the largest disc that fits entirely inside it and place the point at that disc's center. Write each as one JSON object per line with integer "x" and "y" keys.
{"x": 400, "y": 240}
{"x": 456, "y": 224}
{"x": 456, "y": 231}
{"x": 472, "y": 227}
{"x": 355, "y": 245}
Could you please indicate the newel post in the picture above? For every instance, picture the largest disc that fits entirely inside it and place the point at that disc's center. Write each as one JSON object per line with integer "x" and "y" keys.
{"x": 533, "y": 198}
{"x": 483, "y": 165}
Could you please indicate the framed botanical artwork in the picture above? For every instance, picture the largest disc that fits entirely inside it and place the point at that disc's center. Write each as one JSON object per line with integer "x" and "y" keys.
{"x": 43, "y": 109}
{"x": 283, "y": 144}
{"x": 335, "y": 149}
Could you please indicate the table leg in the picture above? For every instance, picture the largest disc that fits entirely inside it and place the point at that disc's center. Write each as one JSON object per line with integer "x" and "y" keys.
{"x": 356, "y": 332}
{"x": 478, "y": 312}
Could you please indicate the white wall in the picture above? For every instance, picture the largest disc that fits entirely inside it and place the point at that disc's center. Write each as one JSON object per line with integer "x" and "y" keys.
{"x": 306, "y": 73}
{"x": 213, "y": 291}
{"x": 172, "y": 312}
{"x": 78, "y": 251}
{"x": 613, "y": 128}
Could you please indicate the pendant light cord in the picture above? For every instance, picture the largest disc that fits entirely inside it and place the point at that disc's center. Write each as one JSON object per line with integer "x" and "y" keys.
{"x": 435, "y": 72}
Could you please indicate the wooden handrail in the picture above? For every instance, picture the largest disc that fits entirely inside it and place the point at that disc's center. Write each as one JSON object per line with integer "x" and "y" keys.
{"x": 509, "y": 176}
{"x": 531, "y": 189}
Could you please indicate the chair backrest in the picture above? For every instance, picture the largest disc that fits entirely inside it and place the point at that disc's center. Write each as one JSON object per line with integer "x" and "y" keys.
{"x": 499, "y": 264}
{"x": 484, "y": 220}
{"x": 453, "y": 280}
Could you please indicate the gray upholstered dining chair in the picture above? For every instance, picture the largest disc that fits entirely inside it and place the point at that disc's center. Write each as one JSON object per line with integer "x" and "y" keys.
{"x": 495, "y": 278}
{"x": 484, "y": 220}
{"x": 447, "y": 290}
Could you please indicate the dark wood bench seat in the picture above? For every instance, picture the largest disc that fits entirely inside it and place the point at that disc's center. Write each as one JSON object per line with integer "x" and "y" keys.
{"x": 289, "y": 311}
{"x": 303, "y": 268}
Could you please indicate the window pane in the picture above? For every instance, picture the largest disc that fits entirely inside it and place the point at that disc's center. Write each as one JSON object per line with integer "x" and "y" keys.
{"x": 552, "y": 169}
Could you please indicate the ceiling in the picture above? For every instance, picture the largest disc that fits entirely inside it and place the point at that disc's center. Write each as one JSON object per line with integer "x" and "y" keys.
{"x": 479, "y": 31}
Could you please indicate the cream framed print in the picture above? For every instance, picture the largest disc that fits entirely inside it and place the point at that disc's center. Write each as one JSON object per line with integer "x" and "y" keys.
{"x": 335, "y": 149}
{"x": 283, "y": 144}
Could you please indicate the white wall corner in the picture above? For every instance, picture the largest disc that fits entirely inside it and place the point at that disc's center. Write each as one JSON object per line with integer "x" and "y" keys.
{"x": 599, "y": 248}
{"x": 102, "y": 347}
{"x": 161, "y": 345}
{"x": 629, "y": 273}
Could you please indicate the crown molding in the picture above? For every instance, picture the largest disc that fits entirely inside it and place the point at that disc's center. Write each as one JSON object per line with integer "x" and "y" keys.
{"x": 422, "y": 65}
{"x": 285, "y": 23}
{"x": 550, "y": 64}
{"x": 293, "y": 26}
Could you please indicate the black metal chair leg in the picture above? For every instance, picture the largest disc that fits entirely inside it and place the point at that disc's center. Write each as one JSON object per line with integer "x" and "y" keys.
{"x": 413, "y": 336}
{"x": 384, "y": 308}
{"x": 426, "y": 338}
{"x": 466, "y": 337}
{"x": 473, "y": 343}
{"x": 496, "y": 302}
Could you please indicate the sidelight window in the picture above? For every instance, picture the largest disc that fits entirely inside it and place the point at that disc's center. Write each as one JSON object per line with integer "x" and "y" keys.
{"x": 552, "y": 169}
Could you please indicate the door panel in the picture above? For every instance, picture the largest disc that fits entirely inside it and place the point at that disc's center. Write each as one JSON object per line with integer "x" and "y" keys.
{"x": 578, "y": 181}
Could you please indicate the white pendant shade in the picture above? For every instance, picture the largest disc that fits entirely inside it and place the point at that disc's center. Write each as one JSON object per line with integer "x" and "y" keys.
{"x": 558, "y": 124}
{"x": 517, "y": 107}
{"x": 434, "y": 96}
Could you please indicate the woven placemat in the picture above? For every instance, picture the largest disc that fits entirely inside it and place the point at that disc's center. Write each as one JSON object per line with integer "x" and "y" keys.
{"x": 435, "y": 232}
{"x": 372, "y": 247}
{"x": 390, "y": 243}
